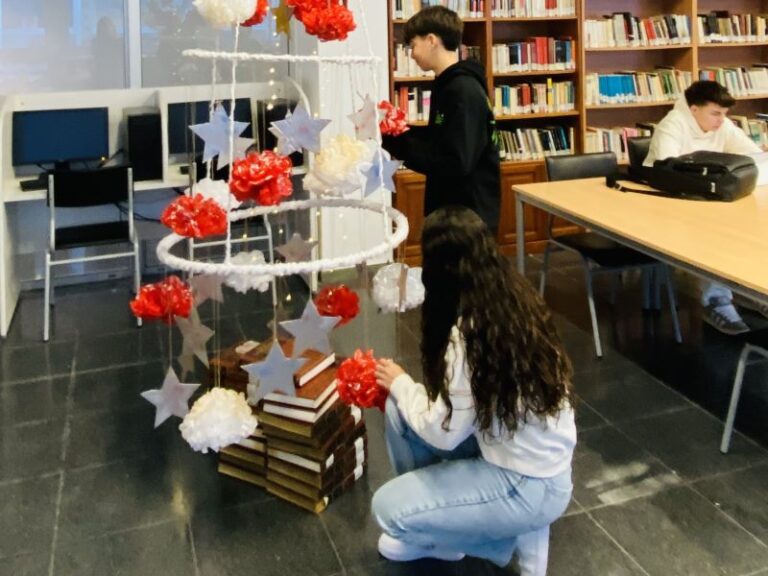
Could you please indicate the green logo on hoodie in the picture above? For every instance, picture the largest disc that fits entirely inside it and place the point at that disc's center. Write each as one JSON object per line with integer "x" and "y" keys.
{"x": 439, "y": 119}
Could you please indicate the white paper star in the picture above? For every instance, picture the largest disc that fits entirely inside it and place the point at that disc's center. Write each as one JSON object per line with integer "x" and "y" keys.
{"x": 296, "y": 249}
{"x": 172, "y": 399}
{"x": 215, "y": 134}
{"x": 366, "y": 120}
{"x": 380, "y": 173}
{"x": 311, "y": 330}
{"x": 297, "y": 131}
{"x": 195, "y": 336}
{"x": 207, "y": 288}
{"x": 274, "y": 374}
{"x": 187, "y": 363}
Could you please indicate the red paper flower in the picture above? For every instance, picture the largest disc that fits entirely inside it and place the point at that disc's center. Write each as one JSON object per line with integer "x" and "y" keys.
{"x": 394, "y": 122}
{"x": 264, "y": 177}
{"x": 338, "y": 301}
{"x": 258, "y": 15}
{"x": 164, "y": 300}
{"x": 356, "y": 382}
{"x": 195, "y": 217}
{"x": 326, "y": 19}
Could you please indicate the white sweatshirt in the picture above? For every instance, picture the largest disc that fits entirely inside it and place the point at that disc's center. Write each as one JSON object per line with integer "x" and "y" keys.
{"x": 539, "y": 448}
{"x": 678, "y": 133}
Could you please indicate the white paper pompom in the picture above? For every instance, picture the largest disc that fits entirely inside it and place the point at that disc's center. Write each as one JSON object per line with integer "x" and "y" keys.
{"x": 219, "y": 418}
{"x": 217, "y": 190}
{"x": 223, "y": 13}
{"x": 386, "y": 288}
{"x": 336, "y": 170}
{"x": 244, "y": 282}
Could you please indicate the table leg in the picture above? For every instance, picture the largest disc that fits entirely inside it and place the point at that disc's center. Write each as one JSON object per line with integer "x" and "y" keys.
{"x": 520, "y": 234}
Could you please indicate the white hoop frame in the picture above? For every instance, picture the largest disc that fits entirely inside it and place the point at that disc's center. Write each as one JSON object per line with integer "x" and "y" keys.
{"x": 288, "y": 268}
{"x": 246, "y": 56}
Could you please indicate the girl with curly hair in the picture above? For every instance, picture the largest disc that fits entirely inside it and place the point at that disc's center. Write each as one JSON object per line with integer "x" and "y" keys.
{"x": 483, "y": 447}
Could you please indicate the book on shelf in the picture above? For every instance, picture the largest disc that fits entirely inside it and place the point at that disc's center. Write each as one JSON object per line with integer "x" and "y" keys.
{"x": 599, "y": 139}
{"x": 532, "y": 8}
{"x": 536, "y": 143}
{"x": 414, "y": 101}
{"x": 740, "y": 80}
{"x": 660, "y": 85}
{"x": 404, "y": 9}
{"x": 534, "y": 97}
{"x": 622, "y": 29}
{"x": 719, "y": 26}
{"x": 538, "y": 53}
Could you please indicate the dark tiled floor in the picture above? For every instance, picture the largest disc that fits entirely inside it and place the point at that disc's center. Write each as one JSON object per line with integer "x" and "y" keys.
{"x": 87, "y": 486}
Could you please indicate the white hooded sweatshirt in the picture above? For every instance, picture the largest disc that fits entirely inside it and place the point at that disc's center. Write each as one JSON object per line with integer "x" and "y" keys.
{"x": 678, "y": 133}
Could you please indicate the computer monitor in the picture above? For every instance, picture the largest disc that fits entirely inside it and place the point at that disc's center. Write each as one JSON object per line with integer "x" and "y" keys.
{"x": 60, "y": 136}
{"x": 182, "y": 115}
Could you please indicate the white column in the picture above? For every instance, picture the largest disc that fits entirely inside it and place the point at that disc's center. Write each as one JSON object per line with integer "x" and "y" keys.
{"x": 132, "y": 27}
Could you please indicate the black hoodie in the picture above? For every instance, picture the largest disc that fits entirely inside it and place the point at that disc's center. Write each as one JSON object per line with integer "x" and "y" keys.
{"x": 456, "y": 151}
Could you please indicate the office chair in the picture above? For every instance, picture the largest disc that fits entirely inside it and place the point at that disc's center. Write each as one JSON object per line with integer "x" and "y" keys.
{"x": 598, "y": 254}
{"x": 89, "y": 189}
{"x": 637, "y": 150}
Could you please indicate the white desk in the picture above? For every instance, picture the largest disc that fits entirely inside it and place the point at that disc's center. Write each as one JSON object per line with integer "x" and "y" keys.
{"x": 726, "y": 242}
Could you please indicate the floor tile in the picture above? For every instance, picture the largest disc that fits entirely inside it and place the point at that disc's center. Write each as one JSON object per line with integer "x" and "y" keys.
{"x": 25, "y": 565}
{"x": 608, "y": 468}
{"x": 679, "y": 532}
{"x": 29, "y": 450}
{"x": 164, "y": 549}
{"x": 579, "y": 547}
{"x": 36, "y": 361}
{"x": 27, "y": 515}
{"x": 743, "y": 495}
{"x": 688, "y": 442}
{"x": 115, "y": 388}
{"x": 117, "y": 349}
{"x": 273, "y": 538}
{"x": 586, "y": 417}
{"x": 33, "y": 401}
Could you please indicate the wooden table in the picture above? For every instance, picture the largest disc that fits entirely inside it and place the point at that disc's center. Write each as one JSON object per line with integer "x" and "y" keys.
{"x": 726, "y": 242}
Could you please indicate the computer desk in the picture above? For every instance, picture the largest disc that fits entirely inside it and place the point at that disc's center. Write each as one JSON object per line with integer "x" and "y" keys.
{"x": 726, "y": 242}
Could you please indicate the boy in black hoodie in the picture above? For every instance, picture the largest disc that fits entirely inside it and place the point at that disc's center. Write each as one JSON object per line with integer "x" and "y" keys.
{"x": 456, "y": 151}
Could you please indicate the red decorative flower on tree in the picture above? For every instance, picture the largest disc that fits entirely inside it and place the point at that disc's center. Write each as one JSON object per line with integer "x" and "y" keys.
{"x": 338, "y": 301}
{"x": 356, "y": 382}
{"x": 262, "y": 176}
{"x": 163, "y": 300}
{"x": 394, "y": 122}
{"x": 195, "y": 217}
{"x": 258, "y": 15}
{"x": 326, "y": 19}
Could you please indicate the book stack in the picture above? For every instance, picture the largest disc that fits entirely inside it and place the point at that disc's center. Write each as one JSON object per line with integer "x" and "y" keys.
{"x": 309, "y": 448}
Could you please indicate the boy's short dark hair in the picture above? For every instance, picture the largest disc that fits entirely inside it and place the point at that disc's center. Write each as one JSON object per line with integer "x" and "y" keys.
{"x": 437, "y": 20}
{"x": 702, "y": 92}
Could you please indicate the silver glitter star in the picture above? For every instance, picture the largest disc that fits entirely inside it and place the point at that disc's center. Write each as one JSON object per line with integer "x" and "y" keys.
{"x": 207, "y": 287}
{"x": 195, "y": 336}
{"x": 172, "y": 399}
{"x": 274, "y": 374}
{"x": 297, "y": 131}
{"x": 311, "y": 330}
{"x": 296, "y": 249}
{"x": 365, "y": 120}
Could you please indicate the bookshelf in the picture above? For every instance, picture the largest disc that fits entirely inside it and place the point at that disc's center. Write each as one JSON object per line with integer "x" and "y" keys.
{"x": 682, "y": 54}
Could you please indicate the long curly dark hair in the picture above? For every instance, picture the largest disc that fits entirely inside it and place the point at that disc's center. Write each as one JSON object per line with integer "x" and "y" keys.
{"x": 516, "y": 362}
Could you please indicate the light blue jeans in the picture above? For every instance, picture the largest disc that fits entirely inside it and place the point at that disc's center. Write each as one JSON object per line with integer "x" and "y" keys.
{"x": 458, "y": 502}
{"x": 714, "y": 293}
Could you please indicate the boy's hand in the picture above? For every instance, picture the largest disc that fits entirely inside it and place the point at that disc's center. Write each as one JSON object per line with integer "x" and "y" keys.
{"x": 386, "y": 372}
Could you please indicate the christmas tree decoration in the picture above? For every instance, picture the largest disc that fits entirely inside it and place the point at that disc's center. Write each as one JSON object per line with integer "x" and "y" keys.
{"x": 274, "y": 374}
{"x": 365, "y": 120}
{"x": 258, "y": 15}
{"x": 336, "y": 171}
{"x": 356, "y": 382}
{"x": 206, "y": 288}
{"x": 217, "y": 190}
{"x": 379, "y": 173}
{"x": 326, "y": 19}
{"x": 311, "y": 330}
{"x": 222, "y": 13}
{"x": 195, "y": 335}
{"x": 282, "y": 18}
{"x": 186, "y": 362}
{"x": 298, "y": 131}
{"x": 394, "y": 122}
{"x": 264, "y": 177}
{"x": 164, "y": 300}
{"x": 397, "y": 288}
{"x": 219, "y": 418}
{"x": 195, "y": 217}
{"x": 242, "y": 282}
{"x": 296, "y": 249}
{"x": 172, "y": 399}
{"x": 338, "y": 301}
{"x": 216, "y": 135}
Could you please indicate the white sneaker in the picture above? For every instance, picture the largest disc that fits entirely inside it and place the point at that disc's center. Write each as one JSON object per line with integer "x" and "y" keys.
{"x": 724, "y": 318}
{"x": 399, "y": 551}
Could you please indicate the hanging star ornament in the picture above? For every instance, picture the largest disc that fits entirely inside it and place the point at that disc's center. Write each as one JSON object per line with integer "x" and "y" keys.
{"x": 187, "y": 363}
{"x": 172, "y": 399}
{"x": 366, "y": 120}
{"x": 283, "y": 18}
{"x": 215, "y": 134}
{"x": 311, "y": 330}
{"x": 296, "y": 249}
{"x": 297, "y": 131}
{"x": 195, "y": 336}
{"x": 207, "y": 287}
{"x": 274, "y": 374}
{"x": 381, "y": 173}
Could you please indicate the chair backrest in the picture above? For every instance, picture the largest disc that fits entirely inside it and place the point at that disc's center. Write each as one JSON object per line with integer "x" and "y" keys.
{"x": 581, "y": 166}
{"x": 637, "y": 148}
{"x": 82, "y": 188}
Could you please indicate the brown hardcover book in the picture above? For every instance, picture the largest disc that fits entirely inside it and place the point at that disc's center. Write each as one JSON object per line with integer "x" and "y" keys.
{"x": 244, "y": 475}
{"x": 247, "y": 465}
{"x": 313, "y": 492}
{"x": 236, "y": 455}
{"x": 320, "y": 438}
{"x": 330, "y": 416}
{"x": 308, "y": 503}
{"x": 344, "y": 434}
{"x": 353, "y": 457}
{"x": 310, "y": 398}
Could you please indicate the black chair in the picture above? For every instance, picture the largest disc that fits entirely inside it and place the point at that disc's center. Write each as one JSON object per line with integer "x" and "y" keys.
{"x": 599, "y": 254}
{"x": 81, "y": 189}
{"x": 637, "y": 149}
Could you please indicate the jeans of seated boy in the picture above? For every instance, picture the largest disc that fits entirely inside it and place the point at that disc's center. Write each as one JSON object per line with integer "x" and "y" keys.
{"x": 712, "y": 292}
{"x": 456, "y": 501}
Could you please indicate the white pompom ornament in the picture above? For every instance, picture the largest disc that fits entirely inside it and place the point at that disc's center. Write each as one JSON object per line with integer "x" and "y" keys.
{"x": 387, "y": 285}
{"x": 244, "y": 282}
{"x": 336, "y": 170}
{"x": 221, "y": 13}
{"x": 219, "y": 418}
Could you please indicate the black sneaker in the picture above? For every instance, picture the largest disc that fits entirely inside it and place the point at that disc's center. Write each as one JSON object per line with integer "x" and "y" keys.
{"x": 724, "y": 318}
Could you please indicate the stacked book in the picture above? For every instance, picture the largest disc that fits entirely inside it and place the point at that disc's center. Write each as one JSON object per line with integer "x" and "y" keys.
{"x": 309, "y": 448}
